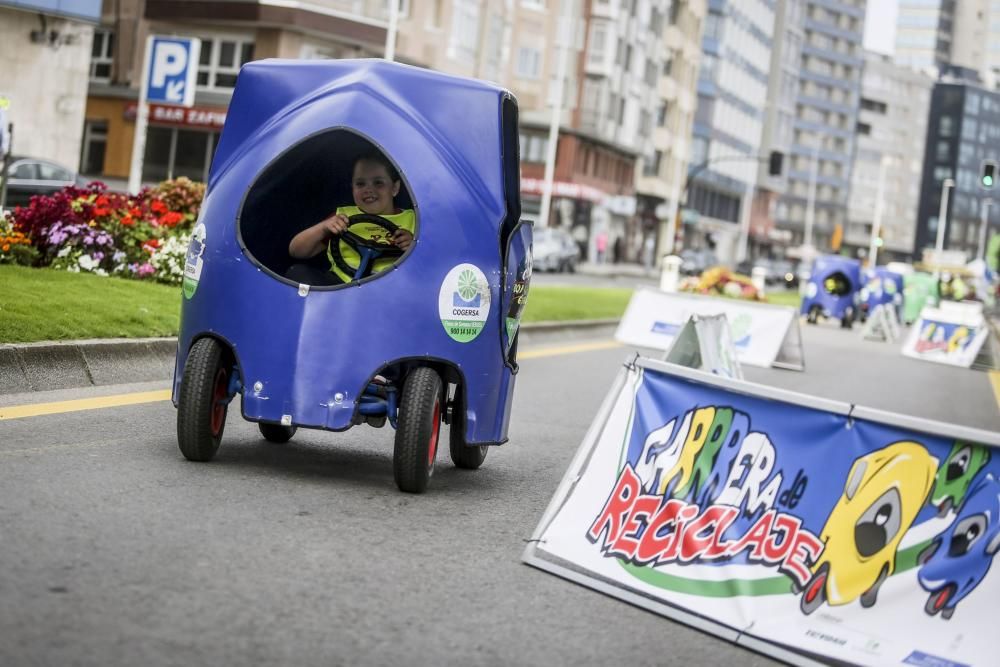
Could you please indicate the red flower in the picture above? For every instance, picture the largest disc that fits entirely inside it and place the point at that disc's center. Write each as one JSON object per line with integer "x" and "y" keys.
{"x": 127, "y": 220}
{"x": 171, "y": 219}
{"x": 158, "y": 206}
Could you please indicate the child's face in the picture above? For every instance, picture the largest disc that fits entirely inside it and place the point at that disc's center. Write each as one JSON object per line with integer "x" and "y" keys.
{"x": 373, "y": 189}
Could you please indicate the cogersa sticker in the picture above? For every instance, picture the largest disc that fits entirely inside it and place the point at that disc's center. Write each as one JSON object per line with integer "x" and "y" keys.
{"x": 464, "y": 302}
{"x": 193, "y": 261}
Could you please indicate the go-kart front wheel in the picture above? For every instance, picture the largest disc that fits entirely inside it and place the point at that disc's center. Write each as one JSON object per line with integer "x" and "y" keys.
{"x": 462, "y": 455}
{"x": 419, "y": 425}
{"x": 203, "y": 400}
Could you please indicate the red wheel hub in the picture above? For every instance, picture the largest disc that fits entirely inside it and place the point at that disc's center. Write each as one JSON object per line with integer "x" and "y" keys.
{"x": 816, "y": 587}
{"x": 220, "y": 391}
{"x": 435, "y": 430}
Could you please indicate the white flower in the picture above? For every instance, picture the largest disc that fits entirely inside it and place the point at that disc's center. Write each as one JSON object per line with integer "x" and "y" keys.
{"x": 64, "y": 251}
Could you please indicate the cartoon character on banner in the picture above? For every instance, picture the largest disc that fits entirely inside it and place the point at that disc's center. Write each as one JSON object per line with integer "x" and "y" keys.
{"x": 884, "y": 493}
{"x": 956, "y": 474}
{"x": 957, "y": 560}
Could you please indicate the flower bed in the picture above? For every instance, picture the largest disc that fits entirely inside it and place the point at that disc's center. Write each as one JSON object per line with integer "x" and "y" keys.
{"x": 93, "y": 230}
{"x": 720, "y": 281}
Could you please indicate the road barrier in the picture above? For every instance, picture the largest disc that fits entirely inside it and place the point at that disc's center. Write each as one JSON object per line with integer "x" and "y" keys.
{"x": 763, "y": 334}
{"x": 804, "y": 528}
{"x": 882, "y": 324}
{"x": 705, "y": 343}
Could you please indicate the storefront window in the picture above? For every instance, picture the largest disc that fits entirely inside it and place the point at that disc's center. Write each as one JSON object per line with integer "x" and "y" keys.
{"x": 221, "y": 59}
{"x": 171, "y": 153}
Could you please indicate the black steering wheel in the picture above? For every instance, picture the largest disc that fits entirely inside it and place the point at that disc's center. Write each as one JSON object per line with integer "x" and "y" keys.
{"x": 368, "y": 250}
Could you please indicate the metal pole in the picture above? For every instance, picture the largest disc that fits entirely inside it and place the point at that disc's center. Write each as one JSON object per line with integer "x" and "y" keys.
{"x": 807, "y": 241}
{"x": 877, "y": 219}
{"x": 946, "y": 184}
{"x": 141, "y": 123}
{"x": 984, "y": 226}
{"x": 390, "y": 34}
{"x": 6, "y": 166}
{"x": 562, "y": 43}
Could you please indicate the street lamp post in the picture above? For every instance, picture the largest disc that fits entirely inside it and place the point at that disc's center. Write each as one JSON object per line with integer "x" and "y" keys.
{"x": 946, "y": 186}
{"x": 983, "y": 227}
{"x": 390, "y": 33}
{"x": 563, "y": 44}
{"x": 807, "y": 241}
{"x": 877, "y": 219}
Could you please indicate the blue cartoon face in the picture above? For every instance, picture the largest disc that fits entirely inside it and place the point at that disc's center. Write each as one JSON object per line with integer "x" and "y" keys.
{"x": 958, "y": 559}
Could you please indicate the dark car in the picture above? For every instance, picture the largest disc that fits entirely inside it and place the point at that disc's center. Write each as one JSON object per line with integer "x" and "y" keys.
{"x": 29, "y": 176}
{"x": 776, "y": 271}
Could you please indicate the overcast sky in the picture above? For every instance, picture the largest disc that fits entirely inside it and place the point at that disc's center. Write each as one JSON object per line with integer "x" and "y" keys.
{"x": 880, "y": 25}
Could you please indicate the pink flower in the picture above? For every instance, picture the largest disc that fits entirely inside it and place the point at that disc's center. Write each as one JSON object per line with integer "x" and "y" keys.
{"x": 146, "y": 270}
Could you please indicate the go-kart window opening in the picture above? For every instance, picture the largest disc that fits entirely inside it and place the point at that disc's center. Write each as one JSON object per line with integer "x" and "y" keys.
{"x": 308, "y": 184}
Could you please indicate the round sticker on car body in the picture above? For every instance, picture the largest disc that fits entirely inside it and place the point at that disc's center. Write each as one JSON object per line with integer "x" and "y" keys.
{"x": 464, "y": 302}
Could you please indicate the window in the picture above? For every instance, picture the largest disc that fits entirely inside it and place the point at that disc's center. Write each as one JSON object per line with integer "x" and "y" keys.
{"x": 873, "y": 105}
{"x": 221, "y": 59}
{"x": 943, "y": 151}
{"x": 946, "y": 126}
{"x": 661, "y": 114}
{"x": 101, "y": 55}
{"x": 95, "y": 143}
{"x": 598, "y": 44}
{"x": 463, "y": 43}
{"x": 51, "y": 172}
{"x": 713, "y": 26}
{"x": 172, "y": 152}
{"x": 529, "y": 62}
{"x": 651, "y": 163}
{"x": 404, "y": 8}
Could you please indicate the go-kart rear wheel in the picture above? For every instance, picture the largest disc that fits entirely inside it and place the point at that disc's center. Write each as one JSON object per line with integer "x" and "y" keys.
{"x": 419, "y": 424}
{"x": 847, "y": 321}
{"x": 814, "y": 594}
{"x": 463, "y": 455}
{"x": 276, "y": 432}
{"x": 203, "y": 400}
{"x": 813, "y": 315}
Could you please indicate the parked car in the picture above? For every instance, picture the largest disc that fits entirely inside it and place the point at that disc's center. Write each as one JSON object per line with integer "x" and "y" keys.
{"x": 554, "y": 250}
{"x": 694, "y": 262}
{"x": 29, "y": 176}
{"x": 776, "y": 271}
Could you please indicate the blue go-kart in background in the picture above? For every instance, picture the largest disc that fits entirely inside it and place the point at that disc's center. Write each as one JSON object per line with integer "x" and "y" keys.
{"x": 833, "y": 290}
{"x": 430, "y": 340}
{"x": 881, "y": 286}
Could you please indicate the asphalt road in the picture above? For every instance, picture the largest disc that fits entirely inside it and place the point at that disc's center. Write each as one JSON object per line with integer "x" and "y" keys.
{"x": 117, "y": 551}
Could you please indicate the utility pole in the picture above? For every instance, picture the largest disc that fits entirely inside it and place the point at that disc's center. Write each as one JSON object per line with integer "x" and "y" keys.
{"x": 390, "y": 33}
{"x": 877, "y": 219}
{"x": 946, "y": 186}
{"x": 563, "y": 34}
{"x": 984, "y": 226}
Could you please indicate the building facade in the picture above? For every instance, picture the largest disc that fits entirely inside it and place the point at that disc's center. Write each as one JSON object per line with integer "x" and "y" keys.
{"x": 892, "y": 120}
{"x": 732, "y": 92}
{"x": 44, "y": 48}
{"x": 924, "y": 30}
{"x": 814, "y": 205}
{"x": 963, "y": 130}
{"x": 765, "y": 239}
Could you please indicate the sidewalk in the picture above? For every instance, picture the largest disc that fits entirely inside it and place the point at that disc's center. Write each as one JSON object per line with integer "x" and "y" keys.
{"x": 621, "y": 270}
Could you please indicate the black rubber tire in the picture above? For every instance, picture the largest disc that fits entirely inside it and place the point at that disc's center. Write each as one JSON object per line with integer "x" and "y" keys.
{"x": 869, "y": 597}
{"x": 462, "y": 455}
{"x": 810, "y": 604}
{"x": 813, "y": 316}
{"x": 276, "y": 432}
{"x": 418, "y": 430}
{"x": 201, "y": 418}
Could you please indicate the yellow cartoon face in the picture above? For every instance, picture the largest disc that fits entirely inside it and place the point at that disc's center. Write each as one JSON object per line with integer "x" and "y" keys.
{"x": 958, "y": 338}
{"x": 884, "y": 492}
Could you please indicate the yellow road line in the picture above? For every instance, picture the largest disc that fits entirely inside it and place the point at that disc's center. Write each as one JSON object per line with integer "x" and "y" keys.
{"x": 118, "y": 400}
{"x": 38, "y": 409}
{"x": 995, "y": 381}
{"x": 567, "y": 349}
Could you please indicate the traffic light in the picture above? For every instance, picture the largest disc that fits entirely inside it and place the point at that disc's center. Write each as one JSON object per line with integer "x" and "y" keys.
{"x": 774, "y": 163}
{"x": 989, "y": 174}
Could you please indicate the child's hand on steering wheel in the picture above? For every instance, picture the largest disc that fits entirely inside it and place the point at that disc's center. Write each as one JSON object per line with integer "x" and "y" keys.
{"x": 335, "y": 224}
{"x": 402, "y": 239}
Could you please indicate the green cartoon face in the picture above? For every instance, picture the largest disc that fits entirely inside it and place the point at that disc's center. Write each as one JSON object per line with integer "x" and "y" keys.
{"x": 956, "y": 473}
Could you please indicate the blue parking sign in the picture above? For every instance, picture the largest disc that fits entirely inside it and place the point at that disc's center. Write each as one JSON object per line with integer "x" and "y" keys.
{"x": 172, "y": 70}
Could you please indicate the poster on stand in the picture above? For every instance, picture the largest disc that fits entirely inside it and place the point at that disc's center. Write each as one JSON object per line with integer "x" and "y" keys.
{"x": 805, "y": 528}
{"x": 763, "y": 335}
{"x": 947, "y": 336}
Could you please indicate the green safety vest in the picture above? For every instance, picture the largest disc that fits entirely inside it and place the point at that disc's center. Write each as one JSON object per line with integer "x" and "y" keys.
{"x": 405, "y": 219}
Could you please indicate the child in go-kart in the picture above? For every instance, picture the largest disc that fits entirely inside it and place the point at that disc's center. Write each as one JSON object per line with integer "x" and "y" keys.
{"x": 374, "y": 184}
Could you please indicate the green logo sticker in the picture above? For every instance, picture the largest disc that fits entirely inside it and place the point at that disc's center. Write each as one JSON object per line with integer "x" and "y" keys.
{"x": 464, "y": 302}
{"x": 193, "y": 261}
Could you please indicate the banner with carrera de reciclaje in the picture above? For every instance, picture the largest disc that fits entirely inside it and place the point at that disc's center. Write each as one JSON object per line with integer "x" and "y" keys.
{"x": 801, "y": 527}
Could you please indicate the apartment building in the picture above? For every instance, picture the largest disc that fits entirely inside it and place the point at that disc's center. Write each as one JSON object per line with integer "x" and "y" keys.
{"x": 891, "y": 127}
{"x": 732, "y": 91}
{"x": 44, "y": 48}
{"x": 814, "y": 205}
{"x": 963, "y": 130}
{"x": 764, "y": 238}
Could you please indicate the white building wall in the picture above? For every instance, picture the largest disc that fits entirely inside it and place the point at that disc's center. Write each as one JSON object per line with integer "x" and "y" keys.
{"x": 46, "y": 85}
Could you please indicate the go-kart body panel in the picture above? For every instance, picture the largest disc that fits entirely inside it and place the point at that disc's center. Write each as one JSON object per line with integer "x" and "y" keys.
{"x": 311, "y": 356}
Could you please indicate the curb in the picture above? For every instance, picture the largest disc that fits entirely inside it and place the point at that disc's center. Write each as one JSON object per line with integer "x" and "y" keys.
{"x": 28, "y": 367}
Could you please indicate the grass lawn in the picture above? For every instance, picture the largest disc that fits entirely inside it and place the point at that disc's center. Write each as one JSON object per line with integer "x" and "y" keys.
{"x": 785, "y": 298}
{"x": 42, "y": 304}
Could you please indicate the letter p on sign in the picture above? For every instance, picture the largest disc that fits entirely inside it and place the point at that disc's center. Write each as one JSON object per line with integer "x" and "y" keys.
{"x": 172, "y": 70}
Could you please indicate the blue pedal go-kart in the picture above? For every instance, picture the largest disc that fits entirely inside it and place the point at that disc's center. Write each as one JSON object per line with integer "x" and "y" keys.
{"x": 882, "y": 286}
{"x": 430, "y": 339}
{"x": 833, "y": 290}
